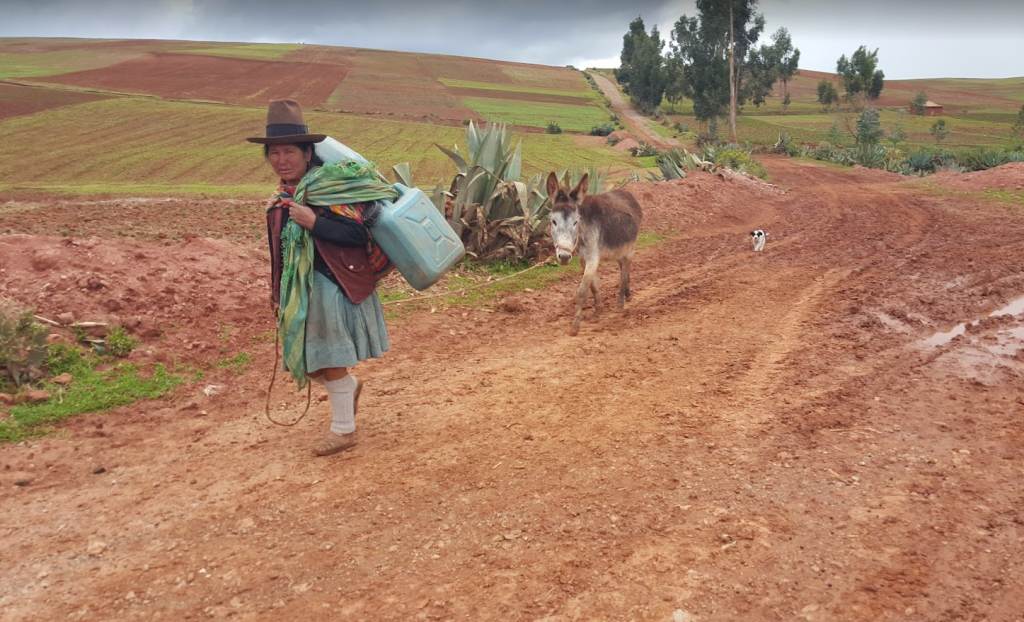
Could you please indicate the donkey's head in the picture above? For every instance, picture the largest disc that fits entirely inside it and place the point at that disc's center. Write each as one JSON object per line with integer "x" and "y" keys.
{"x": 565, "y": 227}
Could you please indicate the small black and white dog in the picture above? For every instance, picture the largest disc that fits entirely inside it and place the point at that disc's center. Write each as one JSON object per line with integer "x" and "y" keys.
{"x": 757, "y": 239}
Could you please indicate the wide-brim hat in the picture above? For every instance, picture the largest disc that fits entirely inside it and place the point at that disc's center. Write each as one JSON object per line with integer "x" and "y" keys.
{"x": 285, "y": 125}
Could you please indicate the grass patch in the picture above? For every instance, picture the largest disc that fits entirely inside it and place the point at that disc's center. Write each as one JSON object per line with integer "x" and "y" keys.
{"x": 238, "y": 364}
{"x": 469, "y": 274}
{"x": 95, "y": 388}
{"x": 41, "y": 64}
{"x": 992, "y": 195}
{"x": 575, "y": 118}
{"x": 255, "y": 51}
{"x": 584, "y": 93}
{"x": 648, "y": 239}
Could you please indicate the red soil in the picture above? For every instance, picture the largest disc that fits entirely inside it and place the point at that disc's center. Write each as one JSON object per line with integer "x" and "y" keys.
{"x": 759, "y": 436}
{"x": 185, "y": 76}
{"x": 21, "y": 100}
{"x": 1008, "y": 177}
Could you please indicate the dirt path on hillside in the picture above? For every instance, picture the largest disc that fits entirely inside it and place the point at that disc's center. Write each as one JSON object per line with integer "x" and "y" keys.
{"x": 760, "y": 436}
{"x": 633, "y": 120}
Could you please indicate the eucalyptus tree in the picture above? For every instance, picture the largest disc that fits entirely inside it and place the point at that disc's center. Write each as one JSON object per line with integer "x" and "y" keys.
{"x": 860, "y": 74}
{"x": 641, "y": 72}
{"x": 715, "y": 49}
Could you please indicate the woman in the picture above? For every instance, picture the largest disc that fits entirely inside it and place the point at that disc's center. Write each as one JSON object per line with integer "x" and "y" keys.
{"x": 344, "y": 321}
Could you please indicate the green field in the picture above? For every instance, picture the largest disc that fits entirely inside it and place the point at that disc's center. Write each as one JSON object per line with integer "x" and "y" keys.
{"x": 194, "y": 149}
{"x": 585, "y": 92}
{"x": 57, "y": 62}
{"x": 256, "y": 51}
{"x": 571, "y": 118}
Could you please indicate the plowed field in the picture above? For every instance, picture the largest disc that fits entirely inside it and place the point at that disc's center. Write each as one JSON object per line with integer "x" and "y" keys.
{"x": 232, "y": 80}
{"x": 759, "y": 436}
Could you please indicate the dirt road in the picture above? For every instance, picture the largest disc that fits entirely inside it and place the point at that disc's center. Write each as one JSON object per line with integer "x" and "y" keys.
{"x": 633, "y": 120}
{"x": 760, "y": 436}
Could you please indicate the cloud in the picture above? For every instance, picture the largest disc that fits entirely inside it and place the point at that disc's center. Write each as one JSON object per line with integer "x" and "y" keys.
{"x": 914, "y": 39}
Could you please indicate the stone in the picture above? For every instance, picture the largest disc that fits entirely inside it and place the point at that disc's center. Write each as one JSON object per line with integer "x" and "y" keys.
{"x": 36, "y": 396}
{"x": 66, "y": 318}
{"x": 96, "y": 547}
{"x": 63, "y": 379}
{"x": 7, "y": 399}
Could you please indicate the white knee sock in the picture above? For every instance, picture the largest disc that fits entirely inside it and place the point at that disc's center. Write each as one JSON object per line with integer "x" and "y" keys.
{"x": 342, "y": 395}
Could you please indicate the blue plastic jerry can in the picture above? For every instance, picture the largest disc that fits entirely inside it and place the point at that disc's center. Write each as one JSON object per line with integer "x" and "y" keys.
{"x": 331, "y": 151}
{"x": 417, "y": 238}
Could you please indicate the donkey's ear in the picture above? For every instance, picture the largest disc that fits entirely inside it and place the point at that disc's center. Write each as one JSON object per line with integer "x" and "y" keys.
{"x": 580, "y": 191}
{"x": 552, "y": 186}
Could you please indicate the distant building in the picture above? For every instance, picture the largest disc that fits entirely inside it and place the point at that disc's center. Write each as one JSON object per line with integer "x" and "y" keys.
{"x": 931, "y": 109}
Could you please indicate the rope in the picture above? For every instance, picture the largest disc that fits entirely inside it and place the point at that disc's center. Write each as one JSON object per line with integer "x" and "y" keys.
{"x": 276, "y": 341}
{"x": 273, "y": 377}
{"x": 466, "y": 289}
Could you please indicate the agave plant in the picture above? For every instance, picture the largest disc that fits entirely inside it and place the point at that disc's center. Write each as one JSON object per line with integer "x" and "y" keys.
{"x": 496, "y": 215}
{"x": 949, "y": 163}
{"x": 984, "y": 159}
{"x": 921, "y": 161}
{"x": 869, "y": 155}
{"x": 669, "y": 169}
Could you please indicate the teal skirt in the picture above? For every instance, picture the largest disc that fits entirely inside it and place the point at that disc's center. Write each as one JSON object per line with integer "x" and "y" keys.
{"x": 339, "y": 333}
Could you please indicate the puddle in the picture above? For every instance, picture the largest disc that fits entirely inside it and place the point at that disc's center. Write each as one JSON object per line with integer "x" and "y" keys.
{"x": 1014, "y": 308}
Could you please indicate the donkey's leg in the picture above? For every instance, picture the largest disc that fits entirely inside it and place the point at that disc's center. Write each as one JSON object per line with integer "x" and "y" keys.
{"x": 625, "y": 263}
{"x": 593, "y": 286}
{"x": 585, "y": 287}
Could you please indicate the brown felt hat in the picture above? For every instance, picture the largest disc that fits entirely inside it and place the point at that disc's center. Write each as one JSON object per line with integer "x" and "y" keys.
{"x": 285, "y": 125}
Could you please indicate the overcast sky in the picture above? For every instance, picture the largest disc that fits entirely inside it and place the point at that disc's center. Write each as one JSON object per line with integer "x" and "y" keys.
{"x": 940, "y": 38}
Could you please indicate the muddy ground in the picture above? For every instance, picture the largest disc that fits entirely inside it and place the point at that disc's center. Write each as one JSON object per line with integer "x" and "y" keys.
{"x": 760, "y": 436}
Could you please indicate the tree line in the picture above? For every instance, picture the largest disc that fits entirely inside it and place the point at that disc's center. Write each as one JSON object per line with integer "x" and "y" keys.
{"x": 713, "y": 59}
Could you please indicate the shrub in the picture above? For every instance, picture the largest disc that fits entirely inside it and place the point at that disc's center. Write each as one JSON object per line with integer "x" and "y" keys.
{"x": 120, "y": 343}
{"x": 869, "y": 155}
{"x": 736, "y": 158}
{"x": 22, "y": 346}
{"x": 917, "y": 105}
{"x": 613, "y": 140}
{"x": 869, "y": 127}
{"x": 614, "y": 118}
{"x": 940, "y": 131}
{"x": 644, "y": 150}
{"x": 682, "y": 127}
{"x": 553, "y": 128}
{"x": 601, "y": 130}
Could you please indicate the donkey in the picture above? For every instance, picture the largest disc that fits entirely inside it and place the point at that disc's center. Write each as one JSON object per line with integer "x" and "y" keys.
{"x": 596, "y": 227}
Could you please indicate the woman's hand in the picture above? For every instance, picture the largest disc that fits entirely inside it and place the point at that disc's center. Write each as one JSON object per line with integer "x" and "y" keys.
{"x": 300, "y": 213}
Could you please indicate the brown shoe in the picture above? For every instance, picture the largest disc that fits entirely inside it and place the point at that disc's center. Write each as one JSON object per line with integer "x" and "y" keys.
{"x": 333, "y": 443}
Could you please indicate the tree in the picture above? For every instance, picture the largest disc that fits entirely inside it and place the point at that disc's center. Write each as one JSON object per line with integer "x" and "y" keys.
{"x": 641, "y": 71}
{"x": 897, "y": 134}
{"x": 784, "y": 60}
{"x": 940, "y": 131}
{"x": 869, "y": 127}
{"x": 917, "y": 105}
{"x": 705, "y": 44}
{"x": 675, "y": 79}
{"x": 741, "y": 42}
{"x": 860, "y": 74}
{"x": 834, "y": 137}
{"x": 827, "y": 95}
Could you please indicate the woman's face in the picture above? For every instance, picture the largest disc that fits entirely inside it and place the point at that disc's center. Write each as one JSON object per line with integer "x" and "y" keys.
{"x": 288, "y": 161}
